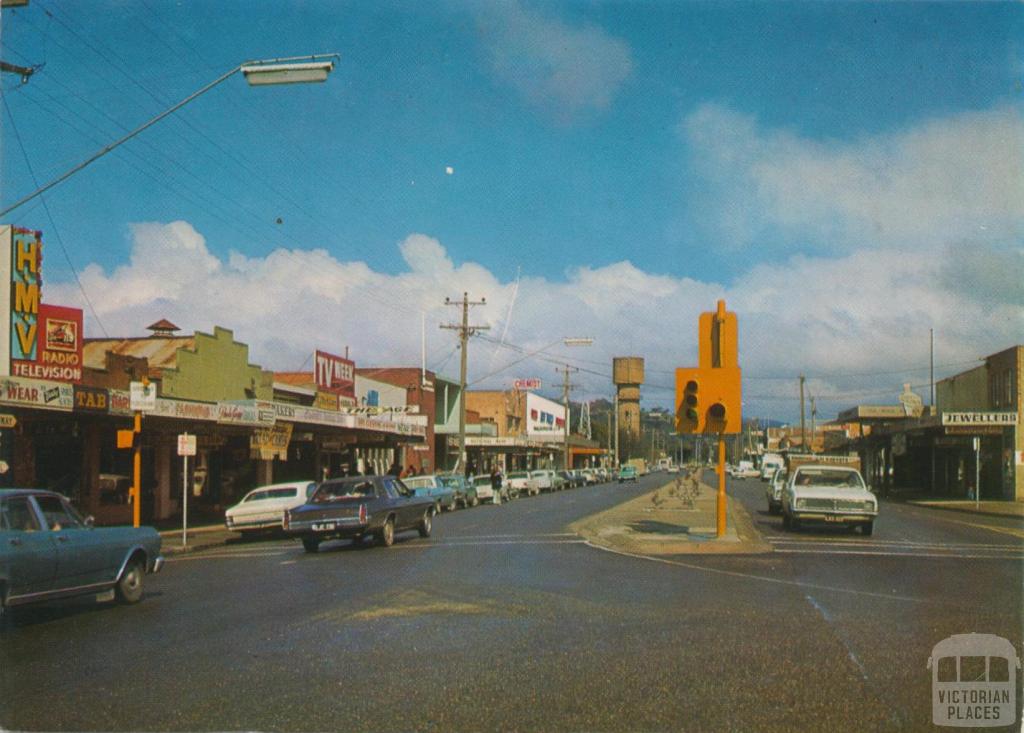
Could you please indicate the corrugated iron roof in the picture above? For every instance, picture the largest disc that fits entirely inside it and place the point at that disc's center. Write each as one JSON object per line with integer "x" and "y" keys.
{"x": 296, "y": 379}
{"x": 160, "y": 351}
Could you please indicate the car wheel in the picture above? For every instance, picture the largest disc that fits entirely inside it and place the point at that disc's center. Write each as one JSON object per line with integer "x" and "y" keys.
{"x": 476, "y": 500}
{"x": 386, "y": 534}
{"x": 129, "y": 586}
{"x": 310, "y": 544}
{"x": 426, "y": 524}
{"x": 867, "y": 528}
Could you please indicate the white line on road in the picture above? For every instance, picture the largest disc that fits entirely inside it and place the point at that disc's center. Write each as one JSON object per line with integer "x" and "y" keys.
{"x": 828, "y": 619}
{"x": 891, "y": 544}
{"x": 766, "y": 579}
{"x": 886, "y": 553}
{"x": 223, "y": 556}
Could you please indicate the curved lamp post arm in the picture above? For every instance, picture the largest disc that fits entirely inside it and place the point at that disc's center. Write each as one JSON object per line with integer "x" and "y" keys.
{"x": 249, "y": 66}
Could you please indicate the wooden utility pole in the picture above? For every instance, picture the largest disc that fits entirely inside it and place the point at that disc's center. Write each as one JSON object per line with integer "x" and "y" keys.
{"x": 803, "y": 435}
{"x": 814, "y": 413}
{"x": 565, "y": 399}
{"x": 465, "y": 331}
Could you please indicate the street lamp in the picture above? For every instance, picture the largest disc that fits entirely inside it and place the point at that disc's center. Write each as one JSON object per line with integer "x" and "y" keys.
{"x": 292, "y": 70}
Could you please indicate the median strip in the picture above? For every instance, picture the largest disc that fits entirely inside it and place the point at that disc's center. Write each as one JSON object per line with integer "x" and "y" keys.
{"x": 677, "y": 518}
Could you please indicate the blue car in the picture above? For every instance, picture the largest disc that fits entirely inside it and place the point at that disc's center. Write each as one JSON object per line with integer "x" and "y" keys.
{"x": 48, "y": 550}
{"x": 444, "y": 496}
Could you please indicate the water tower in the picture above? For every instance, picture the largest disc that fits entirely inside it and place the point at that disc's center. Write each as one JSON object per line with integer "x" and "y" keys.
{"x": 628, "y": 375}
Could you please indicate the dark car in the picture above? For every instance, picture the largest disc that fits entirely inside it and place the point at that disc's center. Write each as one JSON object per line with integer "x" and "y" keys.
{"x": 357, "y": 507}
{"x": 48, "y": 550}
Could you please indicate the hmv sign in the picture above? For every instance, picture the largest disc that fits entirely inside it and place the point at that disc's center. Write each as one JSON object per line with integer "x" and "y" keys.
{"x": 334, "y": 374}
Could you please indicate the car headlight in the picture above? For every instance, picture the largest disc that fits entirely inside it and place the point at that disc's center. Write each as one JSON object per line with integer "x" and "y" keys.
{"x": 800, "y": 503}
{"x": 869, "y": 505}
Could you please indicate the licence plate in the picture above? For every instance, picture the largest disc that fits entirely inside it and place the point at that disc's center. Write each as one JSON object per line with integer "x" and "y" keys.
{"x": 833, "y": 518}
{"x": 324, "y": 526}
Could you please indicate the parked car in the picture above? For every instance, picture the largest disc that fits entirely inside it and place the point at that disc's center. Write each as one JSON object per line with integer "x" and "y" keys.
{"x": 829, "y": 494}
{"x": 604, "y": 474}
{"x": 465, "y": 491}
{"x": 444, "y": 496}
{"x": 48, "y": 550}
{"x": 589, "y": 477}
{"x": 544, "y": 479}
{"x": 485, "y": 489}
{"x": 356, "y": 507}
{"x": 627, "y": 473}
{"x": 522, "y": 482}
{"x": 774, "y": 491}
{"x": 571, "y": 482}
{"x": 264, "y": 507}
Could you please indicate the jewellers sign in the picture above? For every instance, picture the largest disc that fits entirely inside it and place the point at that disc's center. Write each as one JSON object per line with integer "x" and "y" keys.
{"x": 978, "y": 419}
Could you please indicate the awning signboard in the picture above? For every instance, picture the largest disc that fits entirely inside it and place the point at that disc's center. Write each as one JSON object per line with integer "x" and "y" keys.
{"x": 973, "y": 419}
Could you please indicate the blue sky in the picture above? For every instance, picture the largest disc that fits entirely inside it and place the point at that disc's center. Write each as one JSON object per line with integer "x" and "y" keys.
{"x": 791, "y": 157}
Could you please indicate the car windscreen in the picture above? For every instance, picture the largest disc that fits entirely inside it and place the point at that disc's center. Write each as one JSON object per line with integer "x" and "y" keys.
{"x": 482, "y": 481}
{"x": 418, "y": 483}
{"x": 344, "y": 490}
{"x": 519, "y": 474}
{"x": 830, "y": 477}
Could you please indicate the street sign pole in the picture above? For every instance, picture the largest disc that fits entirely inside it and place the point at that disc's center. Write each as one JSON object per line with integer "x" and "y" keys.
{"x": 184, "y": 498}
{"x": 186, "y": 448}
{"x": 977, "y": 474}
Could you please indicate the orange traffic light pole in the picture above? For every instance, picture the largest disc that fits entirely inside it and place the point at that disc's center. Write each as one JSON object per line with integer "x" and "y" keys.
{"x": 721, "y": 487}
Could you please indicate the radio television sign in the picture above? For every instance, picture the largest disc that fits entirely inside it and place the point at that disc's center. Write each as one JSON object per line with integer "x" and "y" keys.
{"x": 58, "y": 348}
{"x": 334, "y": 374}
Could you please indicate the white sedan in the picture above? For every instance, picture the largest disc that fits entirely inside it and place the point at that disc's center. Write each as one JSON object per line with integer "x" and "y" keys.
{"x": 264, "y": 507}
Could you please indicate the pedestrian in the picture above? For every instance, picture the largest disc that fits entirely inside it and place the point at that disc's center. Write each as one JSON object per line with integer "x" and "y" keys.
{"x": 496, "y": 481}
{"x": 396, "y": 469}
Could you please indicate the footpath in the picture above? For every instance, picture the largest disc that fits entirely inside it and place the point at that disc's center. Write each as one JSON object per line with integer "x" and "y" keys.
{"x": 201, "y": 537}
{"x": 987, "y": 508}
{"x": 677, "y": 518}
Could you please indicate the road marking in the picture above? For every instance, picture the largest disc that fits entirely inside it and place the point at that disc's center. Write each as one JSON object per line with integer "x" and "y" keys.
{"x": 1002, "y": 530}
{"x": 828, "y": 619}
{"x": 438, "y": 545}
{"x": 886, "y": 553}
{"x": 766, "y": 579}
{"x": 500, "y": 536}
{"x": 891, "y": 543}
{"x": 223, "y": 556}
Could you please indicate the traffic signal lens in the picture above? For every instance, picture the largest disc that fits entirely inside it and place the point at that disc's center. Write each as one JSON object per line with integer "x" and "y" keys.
{"x": 717, "y": 411}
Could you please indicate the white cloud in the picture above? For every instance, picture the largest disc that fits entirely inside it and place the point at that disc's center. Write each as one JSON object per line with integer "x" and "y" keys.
{"x": 950, "y": 181}
{"x": 562, "y": 68}
{"x": 864, "y": 312}
{"x": 901, "y": 233}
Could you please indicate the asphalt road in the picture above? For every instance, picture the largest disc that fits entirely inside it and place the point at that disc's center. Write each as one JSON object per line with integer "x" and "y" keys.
{"x": 504, "y": 620}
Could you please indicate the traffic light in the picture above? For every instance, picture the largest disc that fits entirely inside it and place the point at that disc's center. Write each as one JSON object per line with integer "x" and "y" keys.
{"x": 709, "y": 397}
{"x": 722, "y": 399}
{"x": 688, "y": 407}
